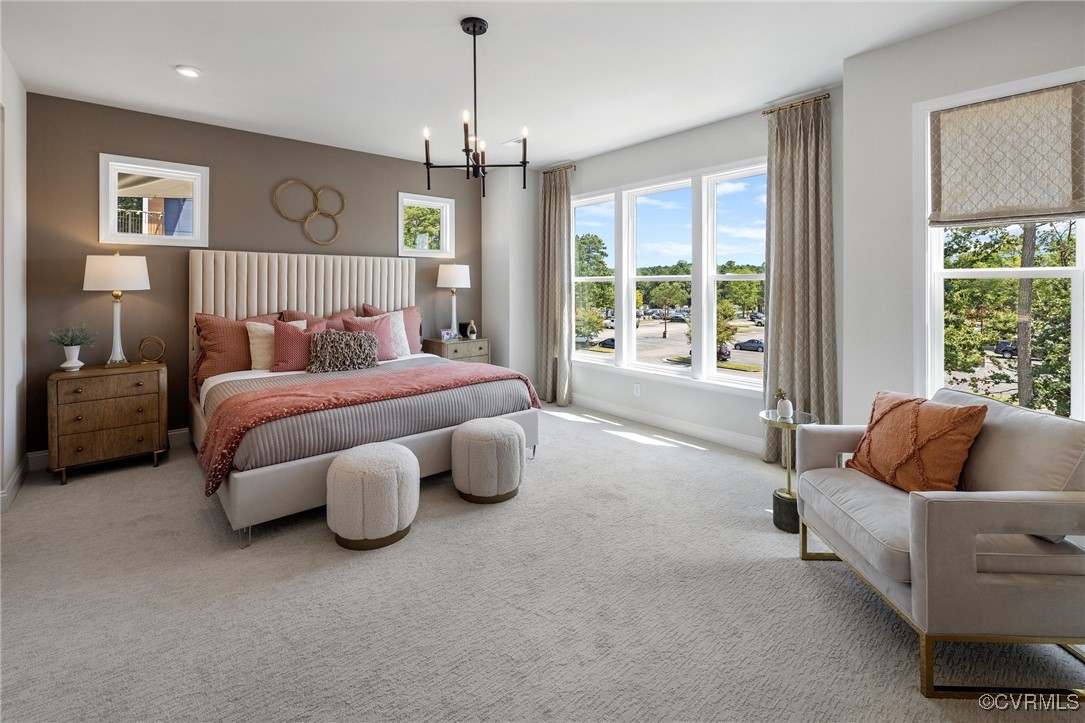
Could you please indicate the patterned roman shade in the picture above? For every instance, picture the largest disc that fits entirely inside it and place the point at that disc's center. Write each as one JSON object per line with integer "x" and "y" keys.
{"x": 1012, "y": 159}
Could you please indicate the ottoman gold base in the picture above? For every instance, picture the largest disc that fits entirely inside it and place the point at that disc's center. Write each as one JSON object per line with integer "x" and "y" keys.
{"x": 488, "y": 500}
{"x": 373, "y": 544}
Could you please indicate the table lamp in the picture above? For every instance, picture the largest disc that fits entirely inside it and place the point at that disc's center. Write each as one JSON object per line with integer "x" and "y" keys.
{"x": 118, "y": 274}
{"x": 454, "y": 276}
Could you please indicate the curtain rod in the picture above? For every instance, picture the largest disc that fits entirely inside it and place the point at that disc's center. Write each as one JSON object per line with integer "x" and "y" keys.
{"x": 796, "y": 103}
{"x": 561, "y": 168}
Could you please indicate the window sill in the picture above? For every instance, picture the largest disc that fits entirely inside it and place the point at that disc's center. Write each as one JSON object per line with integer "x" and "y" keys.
{"x": 647, "y": 373}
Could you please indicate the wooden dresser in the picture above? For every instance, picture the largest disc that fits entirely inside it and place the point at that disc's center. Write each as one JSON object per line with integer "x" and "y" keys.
{"x": 465, "y": 350}
{"x": 99, "y": 414}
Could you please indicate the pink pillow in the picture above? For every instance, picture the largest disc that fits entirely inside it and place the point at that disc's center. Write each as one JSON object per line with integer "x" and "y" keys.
{"x": 335, "y": 321}
{"x": 224, "y": 345}
{"x": 412, "y": 320}
{"x": 292, "y": 345}
{"x": 380, "y": 328}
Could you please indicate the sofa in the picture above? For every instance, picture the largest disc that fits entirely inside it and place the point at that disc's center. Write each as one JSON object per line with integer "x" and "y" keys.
{"x": 986, "y": 562}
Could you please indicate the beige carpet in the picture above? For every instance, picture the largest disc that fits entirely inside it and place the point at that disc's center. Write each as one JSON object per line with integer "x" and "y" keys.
{"x": 633, "y": 578}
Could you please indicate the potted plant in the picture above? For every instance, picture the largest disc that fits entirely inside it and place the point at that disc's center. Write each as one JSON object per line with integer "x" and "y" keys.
{"x": 72, "y": 338}
{"x": 784, "y": 407}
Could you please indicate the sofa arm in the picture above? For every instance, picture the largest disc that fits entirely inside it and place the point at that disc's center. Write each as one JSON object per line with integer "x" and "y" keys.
{"x": 817, "y": 445}
{"x": 949, "y": 597}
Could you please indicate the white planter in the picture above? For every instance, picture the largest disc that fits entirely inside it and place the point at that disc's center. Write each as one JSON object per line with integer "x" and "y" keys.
{"x": 71, "y": 359}
{"x": 785, "y": 408}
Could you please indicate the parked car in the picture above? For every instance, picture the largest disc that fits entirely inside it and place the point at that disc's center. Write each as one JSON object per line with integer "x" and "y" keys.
{"x": 609, "y": 323}
{"x": 722, "y": 353}
{"x": 759, "y": 322}
{"x": 676, "y": 316}
{"x": 607, "y": 343}
{"x": 755, "y": 315}
{"x": 1006, "y": 349}
{"x": 751, "y": 345}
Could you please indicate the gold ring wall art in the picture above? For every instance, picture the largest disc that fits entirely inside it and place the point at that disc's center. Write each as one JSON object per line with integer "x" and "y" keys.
{"x": 306, "y": 219}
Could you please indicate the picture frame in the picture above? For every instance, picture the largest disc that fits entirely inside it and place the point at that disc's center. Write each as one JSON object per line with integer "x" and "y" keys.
{"x": 449, "y": 335}
{"x": 151, "y": 202}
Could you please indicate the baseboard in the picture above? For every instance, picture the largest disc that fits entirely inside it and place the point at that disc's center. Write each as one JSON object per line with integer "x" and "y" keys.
{"x": 12, "y": 485}
{"x": 743, "y": 442}
{"x": 178, "y": 438}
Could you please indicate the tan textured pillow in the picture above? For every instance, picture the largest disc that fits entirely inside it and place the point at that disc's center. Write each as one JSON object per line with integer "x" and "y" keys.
{"x": 262, "y": 342}
{"x": 916, "y": 444}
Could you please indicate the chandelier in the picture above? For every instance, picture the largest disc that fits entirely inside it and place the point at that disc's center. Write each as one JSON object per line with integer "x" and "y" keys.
{"x": 474, "y": 165}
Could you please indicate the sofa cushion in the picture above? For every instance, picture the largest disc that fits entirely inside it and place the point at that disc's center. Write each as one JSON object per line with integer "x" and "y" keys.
{"x": 1021, "y": 449}
{"x": 916, "y": 444}
{"x": 1028, "y": 554}
{"x": 870, "y": 515}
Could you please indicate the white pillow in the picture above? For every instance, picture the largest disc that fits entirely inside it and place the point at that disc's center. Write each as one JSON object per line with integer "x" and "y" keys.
{"x": 399, "y": 333}
{"x": 262, "y": 342}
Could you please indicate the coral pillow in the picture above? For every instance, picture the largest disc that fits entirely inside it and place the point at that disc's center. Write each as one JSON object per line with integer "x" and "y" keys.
{"x": 412, "y": 322}
{"x": 335, "y": 321}
{"x": 224, "y": 345}
{"x": 262, "y": 342}
{"x": 916, "y": 444}
{"x": 380, "y": 327}
{"x": 292, "y": 345}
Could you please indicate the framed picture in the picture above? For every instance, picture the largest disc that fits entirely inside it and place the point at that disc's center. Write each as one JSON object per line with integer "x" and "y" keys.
{"x": 449, "y": 335}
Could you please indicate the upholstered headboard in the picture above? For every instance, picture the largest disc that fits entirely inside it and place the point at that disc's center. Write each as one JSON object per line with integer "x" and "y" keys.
{"x": 239, "y": 284}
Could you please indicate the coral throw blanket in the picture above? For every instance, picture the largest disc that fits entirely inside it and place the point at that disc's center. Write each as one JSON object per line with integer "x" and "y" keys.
{"x": 242, "y": 412}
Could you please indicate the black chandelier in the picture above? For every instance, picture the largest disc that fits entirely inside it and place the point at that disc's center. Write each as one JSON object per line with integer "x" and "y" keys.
{"x": 475, "y": 165}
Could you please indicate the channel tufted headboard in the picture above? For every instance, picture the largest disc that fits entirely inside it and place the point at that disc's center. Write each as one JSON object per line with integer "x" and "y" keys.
{"x": 239, "y": 284}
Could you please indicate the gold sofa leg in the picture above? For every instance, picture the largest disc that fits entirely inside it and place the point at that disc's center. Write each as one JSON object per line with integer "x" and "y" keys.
{"x": 927, "y": 687}
{"x": 926, "y": 666}
{"x": 805, "y": 554}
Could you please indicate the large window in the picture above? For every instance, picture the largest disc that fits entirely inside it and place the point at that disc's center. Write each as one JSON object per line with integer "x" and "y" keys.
{"x": 669, "y": 277}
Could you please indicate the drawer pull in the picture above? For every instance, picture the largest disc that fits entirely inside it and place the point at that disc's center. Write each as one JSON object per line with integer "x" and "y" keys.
{"x": 78, "y": 449}
{"x": 79, "y": 390}
{"x": 140, "y": 439}
{"x": 139, "y": 410}
{"x": 139, "y": 384}
{"x": 79, "y": 418}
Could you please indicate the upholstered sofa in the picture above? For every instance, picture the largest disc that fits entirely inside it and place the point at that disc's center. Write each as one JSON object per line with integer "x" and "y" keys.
{"x": 965, "y": 565}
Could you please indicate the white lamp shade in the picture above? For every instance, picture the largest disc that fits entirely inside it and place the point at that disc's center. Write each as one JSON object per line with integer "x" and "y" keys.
{"x": 454, "y": 276}
{"x": 116, "y": 273}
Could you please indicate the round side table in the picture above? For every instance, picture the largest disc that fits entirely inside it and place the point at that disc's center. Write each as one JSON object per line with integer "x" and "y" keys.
{"x": 785, "y": 511}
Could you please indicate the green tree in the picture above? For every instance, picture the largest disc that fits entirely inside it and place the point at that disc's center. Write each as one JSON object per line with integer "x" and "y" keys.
{"x": 588, "y": 324}
{"x": 746, "y": 295}
{"x": 725, "y": 332}
{"x": 591, "y": 256}
{"x": 421, "y": 227}
{"x": 670, "y": 294}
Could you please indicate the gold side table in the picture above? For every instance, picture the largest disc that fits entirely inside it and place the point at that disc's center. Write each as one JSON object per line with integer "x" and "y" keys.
{"x": 785, "y": 511}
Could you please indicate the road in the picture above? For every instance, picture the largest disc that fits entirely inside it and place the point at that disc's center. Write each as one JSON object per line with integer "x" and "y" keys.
{"x": 652, "y": 348}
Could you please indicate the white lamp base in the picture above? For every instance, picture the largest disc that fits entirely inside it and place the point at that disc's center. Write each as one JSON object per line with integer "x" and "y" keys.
{"x": 455, "y": 321}
{"x": 116, "y": 357}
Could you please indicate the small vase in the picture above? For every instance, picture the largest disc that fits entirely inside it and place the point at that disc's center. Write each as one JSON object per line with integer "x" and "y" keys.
{"x": 785, "y": 408}
{"x": 472, "y": 330}
{"x": 71, "y": 359}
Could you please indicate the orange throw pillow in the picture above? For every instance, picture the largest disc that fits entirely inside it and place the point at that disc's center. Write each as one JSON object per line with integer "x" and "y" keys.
{"x": 224, "y": 344}
{"x": 916, "y": 444}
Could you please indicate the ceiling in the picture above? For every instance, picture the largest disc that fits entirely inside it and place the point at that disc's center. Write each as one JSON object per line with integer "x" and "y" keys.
{"x": 585, "y": 77}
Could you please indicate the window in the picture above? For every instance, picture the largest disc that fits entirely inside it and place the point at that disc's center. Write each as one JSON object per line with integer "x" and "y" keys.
{"x": 1005, "y": 274}
{"x": 427, "y": 226}
{"x": 689, "y": 255}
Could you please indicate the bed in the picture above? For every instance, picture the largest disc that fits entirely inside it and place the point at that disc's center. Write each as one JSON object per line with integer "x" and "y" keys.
{"x": 237, "y": 285}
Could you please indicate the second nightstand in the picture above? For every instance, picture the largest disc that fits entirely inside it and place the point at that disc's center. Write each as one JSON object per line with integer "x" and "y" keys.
{"x": 465, "y": 350}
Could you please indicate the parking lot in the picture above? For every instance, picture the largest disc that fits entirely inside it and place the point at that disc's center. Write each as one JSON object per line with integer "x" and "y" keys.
{"x": 652, "y": 348}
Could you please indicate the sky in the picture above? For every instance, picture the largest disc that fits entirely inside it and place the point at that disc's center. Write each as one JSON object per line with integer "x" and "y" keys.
{"x": 663, "y": 224}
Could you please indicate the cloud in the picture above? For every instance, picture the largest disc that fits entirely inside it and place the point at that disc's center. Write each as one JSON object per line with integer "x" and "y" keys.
{"x": 596, "y": 209}
{"x": 669, "y": 251}
{"x": 582, "y": 223}
{"x": 751, "y": 232}
{"x": 762, "y": 199}
{"x": 659, "y": 203}
{"x": 724, "y": 187}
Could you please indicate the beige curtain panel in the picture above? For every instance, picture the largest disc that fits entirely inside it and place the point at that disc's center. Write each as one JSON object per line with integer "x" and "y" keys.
{"x": 1013, "y": 159}
{"x": 556, "y": 290}
{"x": 801, "y": 350}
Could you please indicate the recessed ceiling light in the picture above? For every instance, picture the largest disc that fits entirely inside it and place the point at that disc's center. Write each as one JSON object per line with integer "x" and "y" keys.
{"x": 188, "y": 71}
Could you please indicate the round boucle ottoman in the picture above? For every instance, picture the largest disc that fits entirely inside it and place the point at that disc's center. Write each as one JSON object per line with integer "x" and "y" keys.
{"x": 488, "y": 460}
{"x": 372, "y": 495}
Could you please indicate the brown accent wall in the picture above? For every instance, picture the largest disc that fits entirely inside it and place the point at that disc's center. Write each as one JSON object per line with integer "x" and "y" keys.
{"x": 64, "y": 139}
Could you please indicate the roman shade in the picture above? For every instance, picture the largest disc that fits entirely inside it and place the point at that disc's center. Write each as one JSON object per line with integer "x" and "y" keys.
{"x": 1012, "y": 159}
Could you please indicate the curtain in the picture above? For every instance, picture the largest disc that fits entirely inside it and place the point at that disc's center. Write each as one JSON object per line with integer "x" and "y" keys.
{"x": 800, "y": 299}
{"x": 556, "y": 290}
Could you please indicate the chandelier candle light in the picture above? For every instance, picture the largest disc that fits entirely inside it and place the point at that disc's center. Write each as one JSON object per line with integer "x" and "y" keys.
{"x": 454, "y": 276}
{"x": 118, "y": 274}
{"x": 475, "y": 165}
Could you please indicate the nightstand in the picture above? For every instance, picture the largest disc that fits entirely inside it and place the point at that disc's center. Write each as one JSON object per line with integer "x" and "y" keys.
{"x": 99, "y": 414}
{"x": 465, "y": 350}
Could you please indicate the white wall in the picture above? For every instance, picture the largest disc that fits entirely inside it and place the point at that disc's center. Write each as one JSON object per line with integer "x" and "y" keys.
{"x": 708, "y": 411}
{"x": 879, "y": 275}
{"x": 13, "y": 272}
{"x": 510, "y": 269}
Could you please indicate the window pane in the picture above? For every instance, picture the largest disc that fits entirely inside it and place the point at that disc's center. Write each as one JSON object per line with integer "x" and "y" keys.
{"x": 594, "y": 321}
{"x": 664, "y": 233}
{"x": 740, "y": 329}
{"x": 740, "y": 224}
{"x": 988, "y": 321}
{"x": 594, "y": 228}
{"x": 663, "y": 331}
{"x": 1013, "y": 246}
